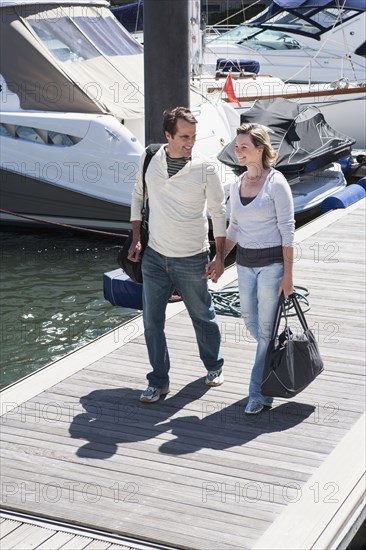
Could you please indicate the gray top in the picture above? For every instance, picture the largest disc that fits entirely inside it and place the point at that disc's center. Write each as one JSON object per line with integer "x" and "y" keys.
{"x": 266, "y": 221}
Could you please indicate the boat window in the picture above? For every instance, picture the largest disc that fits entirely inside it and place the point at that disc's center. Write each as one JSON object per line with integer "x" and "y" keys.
{"x": 72, "y": 39}
{"x": 4, "y": 131}
{"x": 108, "y": 35}
{"x": 30, "y": 134}
{"x": 63, "y": 40}
{"x": 60, "y": 139}
{"x": 40, "y": 136}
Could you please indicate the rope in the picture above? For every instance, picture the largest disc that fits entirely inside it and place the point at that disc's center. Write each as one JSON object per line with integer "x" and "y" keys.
{"x": 137, "y": 15}
{"x": 67, "y": 226}
{"x": 236, "y": 13}
{"x": 227, "y": 301}
{"x": 64, "y": 225}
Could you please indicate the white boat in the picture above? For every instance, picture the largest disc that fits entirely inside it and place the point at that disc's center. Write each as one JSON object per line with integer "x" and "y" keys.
{"x": 72, "y": 115}
{"x": 297, "y": 41}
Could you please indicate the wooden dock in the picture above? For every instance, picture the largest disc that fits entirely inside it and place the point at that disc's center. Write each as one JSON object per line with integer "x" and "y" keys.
{"x": 191, "y": 471}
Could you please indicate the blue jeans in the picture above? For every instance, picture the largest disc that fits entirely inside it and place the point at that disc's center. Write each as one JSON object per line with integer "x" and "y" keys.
{"x": 161, "y": 276}
{"x": 258, "y": 289}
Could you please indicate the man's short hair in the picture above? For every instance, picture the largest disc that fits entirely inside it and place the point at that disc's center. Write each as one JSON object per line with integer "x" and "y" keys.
{"x": 171, "y": 116}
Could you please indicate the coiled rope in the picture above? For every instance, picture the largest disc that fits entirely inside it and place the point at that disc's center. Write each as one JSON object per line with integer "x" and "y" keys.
{"x": 227, "y": 301}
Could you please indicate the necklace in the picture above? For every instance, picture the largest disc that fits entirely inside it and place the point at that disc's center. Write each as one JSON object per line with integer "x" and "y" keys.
{"x": 250, "y": 187}
{"x": 263, "y": 173}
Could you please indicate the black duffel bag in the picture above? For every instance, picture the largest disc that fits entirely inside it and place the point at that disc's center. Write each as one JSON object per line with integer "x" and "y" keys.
{"x": 133, "y": 269}
{"x": 292, "y": 360}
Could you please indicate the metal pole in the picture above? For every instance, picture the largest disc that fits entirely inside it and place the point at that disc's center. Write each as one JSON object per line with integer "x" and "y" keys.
{"x": 166, "y": 62}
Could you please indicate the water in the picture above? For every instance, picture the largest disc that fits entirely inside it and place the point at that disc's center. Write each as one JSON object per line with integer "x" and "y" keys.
{"x": 52, "y": 297}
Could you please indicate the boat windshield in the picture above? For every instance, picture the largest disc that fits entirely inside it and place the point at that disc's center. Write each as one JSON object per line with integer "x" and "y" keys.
{"x": 309, "y": 21}
{"x": 269, "y": 30}
{"x": 236, "y": 35}
{"x": 257, "y": 39}
{"x": 72, "y": 39}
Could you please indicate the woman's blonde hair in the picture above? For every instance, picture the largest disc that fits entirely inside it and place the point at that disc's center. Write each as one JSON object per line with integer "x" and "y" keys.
{"x": 259, "y": 136}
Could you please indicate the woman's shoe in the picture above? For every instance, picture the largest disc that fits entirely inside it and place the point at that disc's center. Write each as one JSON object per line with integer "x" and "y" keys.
{"x": 254, "y": 407}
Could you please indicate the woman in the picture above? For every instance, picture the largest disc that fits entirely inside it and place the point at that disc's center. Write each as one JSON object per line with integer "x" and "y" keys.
{"x": 262, "y": 226}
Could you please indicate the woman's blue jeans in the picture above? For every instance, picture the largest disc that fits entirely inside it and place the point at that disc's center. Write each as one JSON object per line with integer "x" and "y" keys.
{"x": 161, "y": 275}
{"x": 258, "y": 289}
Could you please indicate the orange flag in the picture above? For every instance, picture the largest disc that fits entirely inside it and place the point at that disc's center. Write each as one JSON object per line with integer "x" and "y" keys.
{"x": 229, "y": 90}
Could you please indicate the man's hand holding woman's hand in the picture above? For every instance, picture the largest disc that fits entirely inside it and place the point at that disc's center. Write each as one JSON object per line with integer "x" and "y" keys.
{"x": 213, "y": 270}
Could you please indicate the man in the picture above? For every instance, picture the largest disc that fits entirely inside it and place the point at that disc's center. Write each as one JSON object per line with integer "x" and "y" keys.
{"x": 180, "y": 185}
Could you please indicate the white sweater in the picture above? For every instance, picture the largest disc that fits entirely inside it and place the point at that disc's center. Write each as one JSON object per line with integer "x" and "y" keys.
{"x": 178, "y": 224}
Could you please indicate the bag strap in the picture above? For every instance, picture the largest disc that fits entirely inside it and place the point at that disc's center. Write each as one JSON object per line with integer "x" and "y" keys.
{"x": 299, "y": 312}
{"x": 150, "y": 150}
{"x": 281, "y": 311}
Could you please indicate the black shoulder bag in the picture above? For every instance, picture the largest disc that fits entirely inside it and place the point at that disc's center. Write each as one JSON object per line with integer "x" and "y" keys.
{"x": 133, "y": 269}
{"x": 293, "y": 360}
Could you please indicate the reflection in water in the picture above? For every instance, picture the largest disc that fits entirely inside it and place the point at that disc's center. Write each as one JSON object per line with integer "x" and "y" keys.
{"x": 52, "y": 297}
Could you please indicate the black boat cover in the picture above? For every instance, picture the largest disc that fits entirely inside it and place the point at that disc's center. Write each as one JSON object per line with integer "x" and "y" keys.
{"x": 303, "y": 140}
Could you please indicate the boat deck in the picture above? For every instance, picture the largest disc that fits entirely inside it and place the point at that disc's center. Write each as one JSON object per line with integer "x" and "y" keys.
{"x": 192, "y": 471}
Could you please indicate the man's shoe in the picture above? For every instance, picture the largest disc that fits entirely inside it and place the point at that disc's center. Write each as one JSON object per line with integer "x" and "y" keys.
{"x": 152, "y": 394}
{"x": 214, "y": 378}
{"x": 254, "y": 407}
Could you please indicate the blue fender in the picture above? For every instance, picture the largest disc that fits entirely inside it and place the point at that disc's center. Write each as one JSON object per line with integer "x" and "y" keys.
{"x": 120, "y": 290}
{"x": 350, "y": 194}
{"x": 362, "y": 182}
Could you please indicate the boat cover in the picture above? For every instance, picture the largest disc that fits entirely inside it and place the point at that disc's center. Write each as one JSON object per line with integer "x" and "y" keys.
{"x": 226, "y": 66}
{"x": 303, "y": 140}
{"x": 71, "y": 58}
{"x": 130, "y": 16}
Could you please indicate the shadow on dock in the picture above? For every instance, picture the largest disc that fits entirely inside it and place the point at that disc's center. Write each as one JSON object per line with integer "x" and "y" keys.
{"x": 109, "y": 411}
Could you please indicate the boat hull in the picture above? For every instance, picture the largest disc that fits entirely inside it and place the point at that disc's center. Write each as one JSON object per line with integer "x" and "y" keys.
{"x": 28, "y": 202}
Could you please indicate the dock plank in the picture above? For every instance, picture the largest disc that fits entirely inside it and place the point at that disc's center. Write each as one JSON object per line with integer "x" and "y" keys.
{"x": 56, "y": 541}
{"x": 8, "y": 526}
{"x": 25, "y": 538}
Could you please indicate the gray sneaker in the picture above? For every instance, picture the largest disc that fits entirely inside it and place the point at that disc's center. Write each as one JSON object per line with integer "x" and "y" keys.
{"x": 214, "y": 378}
{"x": 152, "y": 394}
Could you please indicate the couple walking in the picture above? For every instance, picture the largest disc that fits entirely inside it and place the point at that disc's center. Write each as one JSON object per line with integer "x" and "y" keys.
{"x": 181, "y": 185}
